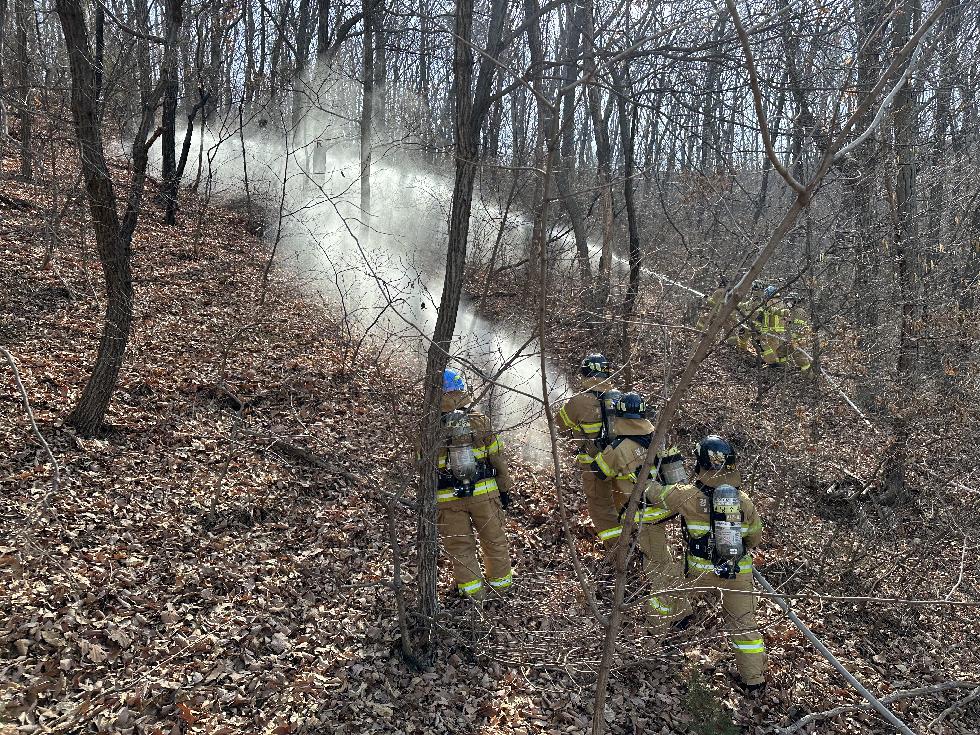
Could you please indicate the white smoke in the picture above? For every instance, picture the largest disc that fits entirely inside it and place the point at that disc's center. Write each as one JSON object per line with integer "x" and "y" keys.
{"x": 391, "y": 281}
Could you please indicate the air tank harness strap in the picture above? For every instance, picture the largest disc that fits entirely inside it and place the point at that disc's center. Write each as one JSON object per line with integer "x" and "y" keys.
{"x": 601, "y": 441}
{"x": 448, "y": 481}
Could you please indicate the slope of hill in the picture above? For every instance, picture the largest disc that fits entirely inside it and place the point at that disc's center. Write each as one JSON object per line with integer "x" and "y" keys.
{"x": 219, "y": 559}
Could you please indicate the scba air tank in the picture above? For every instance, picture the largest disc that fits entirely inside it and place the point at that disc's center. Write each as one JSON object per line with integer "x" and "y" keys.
{"x": 727, "y": 519}
{"x": 672, "y": 469}
{"x": 462, "y": 460}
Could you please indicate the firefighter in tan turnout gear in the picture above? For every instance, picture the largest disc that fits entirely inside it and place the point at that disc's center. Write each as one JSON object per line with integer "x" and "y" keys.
{"x": 584, "y": 417}
{"x": 721, "y": 527}
{"x": 628, "y": 441}
{"x": 472, "y": 492}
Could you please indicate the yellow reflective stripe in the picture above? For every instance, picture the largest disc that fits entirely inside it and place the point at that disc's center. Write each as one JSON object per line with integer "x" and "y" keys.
{"x": 754, "y": 646}
{"x": 485, "y": 486}
{"x": 444, "y": 496}
{"x": 610, "y": 533}
{"x": 706, "y": 565}
{"x": 563, "y": 415}
{"x": 443, "y": 458}
{"x": 696, "y": 526}
{"x": 479, "y": 452}
{"x": 495, "y": 446}
{"x": 591, "y": 428}
{"x": 604, "y": 466}
{"x": 502, "y": 582}
{"x": 584, "y": 458}
{"x": 470, "y": 588}
{"x": 658, "y": 607}
{"x": 651, "y": 515}
{"x": 702, "y": 565}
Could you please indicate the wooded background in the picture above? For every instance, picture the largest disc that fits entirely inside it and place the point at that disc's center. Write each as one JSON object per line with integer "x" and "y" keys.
{"x": 599, "y": 164}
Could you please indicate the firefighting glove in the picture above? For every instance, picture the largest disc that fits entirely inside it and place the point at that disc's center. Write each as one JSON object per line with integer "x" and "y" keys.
{"x": 504, "y": 499}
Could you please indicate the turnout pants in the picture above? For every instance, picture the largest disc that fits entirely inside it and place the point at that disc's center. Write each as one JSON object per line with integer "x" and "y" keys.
{"x": 662, "y": 572}
{"x": 600, "y": 497}
{"x": 461, "y": 523}
{"x": 738, "y": 619}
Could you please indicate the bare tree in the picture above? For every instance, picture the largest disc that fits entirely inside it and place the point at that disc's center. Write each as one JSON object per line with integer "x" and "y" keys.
{"x": 113, "y": 236}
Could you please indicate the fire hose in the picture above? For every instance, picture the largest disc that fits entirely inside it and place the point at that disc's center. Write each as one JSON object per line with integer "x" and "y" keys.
{"x": 825, "y": 652}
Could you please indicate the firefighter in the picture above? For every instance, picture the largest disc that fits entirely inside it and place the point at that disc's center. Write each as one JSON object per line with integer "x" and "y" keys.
{"x": 584, "y": 417}
{"x": 796, "y": 328}
{"x": 713, "y": 303}
{"x": 618, "y": 463}
{"x": 721, "y": 528}
{"x": 748, "y": 317}
{"x": 772, "y": 324}
{"x": 473, "y": 491}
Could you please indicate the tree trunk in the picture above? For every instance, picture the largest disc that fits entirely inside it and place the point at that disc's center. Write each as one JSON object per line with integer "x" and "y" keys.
{"x": 113, "y": 237}
{"x": 300, "y": 83}
{"x": 367, "y": 115}
{"x": 471, "y": 110}
{"x": 600, "y": 292}
{"x": 906, "y": 130}
{"x": 24, "y": 10}
{"x": 627, "y": 134}
{"x": 4, "y": 123}
{"x": 563, "y": 174}
{"x": 170, "y": 82}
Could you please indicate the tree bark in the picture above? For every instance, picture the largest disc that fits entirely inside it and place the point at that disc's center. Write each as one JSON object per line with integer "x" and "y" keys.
{"x": 600, "y": 291}
{"x": 24, "y": 9}
{"x": 113, "y": 236}
{"x": 627, "y": 133}
{"x": 563, "y": 173}
{"x": 169, "y": 80}
{"x": 471, "y": 110}
{"x": 906, "y": 124}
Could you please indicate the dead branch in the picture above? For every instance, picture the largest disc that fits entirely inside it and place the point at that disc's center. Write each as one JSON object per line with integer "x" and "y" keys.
{"x": 56, "y": 479}
{"x": 893, "y": 697}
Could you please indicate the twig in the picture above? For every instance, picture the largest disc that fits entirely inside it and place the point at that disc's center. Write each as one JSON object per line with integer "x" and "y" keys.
{"x": 959, "y": 580}
{"x": 972, "y": 696}
{"x": 757, "y": 99}
{"x": 56, "y": 480}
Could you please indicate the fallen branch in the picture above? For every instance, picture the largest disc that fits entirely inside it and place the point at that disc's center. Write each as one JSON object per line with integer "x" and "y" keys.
{"x": 295, "y": 451}
{"x": 888, "y": 699}
{"x": 971, "y": 697}
{"x": 56, "y": 479}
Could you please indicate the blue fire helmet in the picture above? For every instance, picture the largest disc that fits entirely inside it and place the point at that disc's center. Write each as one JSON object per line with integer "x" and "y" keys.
{"x": 452, "y": 380}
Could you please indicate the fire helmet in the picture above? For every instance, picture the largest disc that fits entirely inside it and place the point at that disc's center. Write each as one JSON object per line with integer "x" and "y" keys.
{"x": 714, "y": 454}
{"x": 452, "y": 380}
{"x": 595, "y": 366}
{"x": 631, "y": 406}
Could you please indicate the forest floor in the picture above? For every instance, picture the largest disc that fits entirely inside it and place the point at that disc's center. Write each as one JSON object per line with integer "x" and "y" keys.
{"x": 218, "y": 559}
